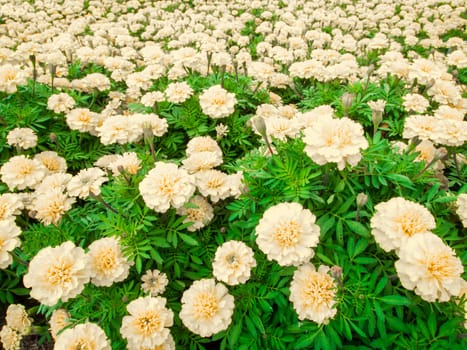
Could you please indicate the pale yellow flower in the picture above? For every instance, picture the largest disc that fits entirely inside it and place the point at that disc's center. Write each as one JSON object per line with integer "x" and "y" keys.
{"x": 313, "y": 293}
{"x": 107, "y": 265}
{"x": 58, "y": 321}
{"x": 430, "y": 268}
{"x": 198, "y": 211}
{"x": 21, "y": 172}
{"x": 217, "y": 102}
{"x": 233, "y": 262}
{"x": 148, "y": 324}
{"x": 83, "y": 336}
{"x": 57, "y": 273}
{"x": 9, "y": 240}
{"x": 287, "y": 233}
{"x": 154, "y": 282}
{"x": 22, "y": 137}
{"x": 207, "y": 307}
{"x": 398, "y": 219}
{"x": 17, "y": 318}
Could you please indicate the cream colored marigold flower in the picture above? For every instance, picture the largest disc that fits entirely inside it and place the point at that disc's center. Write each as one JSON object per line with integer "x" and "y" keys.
{"x": 57, "y": 181}
{"x": 154, "y": 282}
{"x": 83, "y": 120}
{"x": 213, "y": 183}
{"x": 148, "y": 322}
{"x": 118, "y": 129}
{"x": 50, "y": 206}
{"x": 128, "y": 162}
{"x": 83, "y": 336}
{"x": 287, "y": 233}
{"x": 57, "y": 273}
{"x": 22, "y": 137}
{"x": 10, "y": 339}
{"x": 17, "y": 318}
{"x": 233, "y": 262}
{"x": 10, "y": 205}
{"x": 338, "y": 141}
{"x": 178, "y": 92}
{"x": 60, "y": 319}
{"x": 10, "y": 77}
{"x": 107, "y": 265}
{"x": 207, "y": 307}
{"x": 61, "y": 102}
{"x": 398, "y": 219}
{"x": 166, "y": 185}
{"x": 85, "y": 182}
{"x": 52, "y": 161}
{"x": 201, "y": 144}
{"x": 201, "y": 161}
{"x": 430, "y": 268}
{"x": 416, "y": 103}
{"x": 198, "y": 211}
{"x": 217, "y": 102}
{"x": 420, "y": 126}
{"x": 313, "y": 293}
{"x": 9, "y": 240}
{"x": 462, "y": 208}
{"x": 21, "y": 172}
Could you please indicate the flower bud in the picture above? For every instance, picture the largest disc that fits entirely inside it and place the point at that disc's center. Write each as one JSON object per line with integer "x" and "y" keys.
{"x": 347, "y": 100}
{"x": 362, "y": 199}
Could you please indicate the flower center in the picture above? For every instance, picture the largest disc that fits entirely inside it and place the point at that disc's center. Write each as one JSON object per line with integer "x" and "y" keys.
{"x": 106, "y": 261}
{"x": 411, "y": 224}
{"x": 442, "y": 265}
{"x": 59, "y": 274}
{"x": 51, "y": 164}
{"x": 318, "y": 290}
{"x": 149, "y": 323}
{"x": 215, "y": 182}
{"x": 25, "y": 169}
{"x": 206, "y": 306}
{"x": 166, "y": 186}
{"x": 83, "y": 344}
{"x": 287, "y": 234}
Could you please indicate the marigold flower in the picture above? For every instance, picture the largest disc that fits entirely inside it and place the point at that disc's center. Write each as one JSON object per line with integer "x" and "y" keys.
{"x": 430, "y": 268}
{"x": 287, "y": 233}
{"x": 398, "y": 219}
{"x": 22, "y": 137}
{"x": 148, "y": 322}
{"x": 330, "y": 140}
{"x": 313, "y": 293}
{"x": 217, "y": 102}
{"x": 83, "y": 336}
{"x": 166, "y": 185}
{"x": 9, "y": 240}
{"x": 207, "y": 307}
{"x": 57, "y": 273}
{"x": 154, "y": 282}
{"x": 233, "y": 262}
{"x": 107, "y": 265}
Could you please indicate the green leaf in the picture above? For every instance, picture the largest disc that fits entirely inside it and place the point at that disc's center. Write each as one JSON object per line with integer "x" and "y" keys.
{"x": 188, "y": 239}
{"x": 305, "y": 341}
{"x": 432, "y": 324}
{"x": 257, "y": 321}
{"x": 358, "y": 228}
{"x": 381, "y": 284}
{"x": 395, "y": 300}
{"x": 138, "y": 264}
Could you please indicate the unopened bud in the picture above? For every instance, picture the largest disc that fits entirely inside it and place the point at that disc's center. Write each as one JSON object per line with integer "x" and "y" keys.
{"x": 53, "y": 137}
{"x": 336, "y": 272}
{"x": 362, "y": 199}
{"x": 376, "y": 118}
{"x": 441, "y": 153}
{"x": 52, "y": 69}
{"x": 260, "y": 125}
{"x": 347, "y": 100}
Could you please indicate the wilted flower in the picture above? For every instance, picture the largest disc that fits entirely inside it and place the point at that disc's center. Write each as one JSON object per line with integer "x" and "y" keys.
{"x": 17, "y": 318}
{"x": 207, "y": 307}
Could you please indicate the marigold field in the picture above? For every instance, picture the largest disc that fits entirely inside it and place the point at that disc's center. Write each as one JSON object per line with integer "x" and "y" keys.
{"x": 282, "y": 174}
